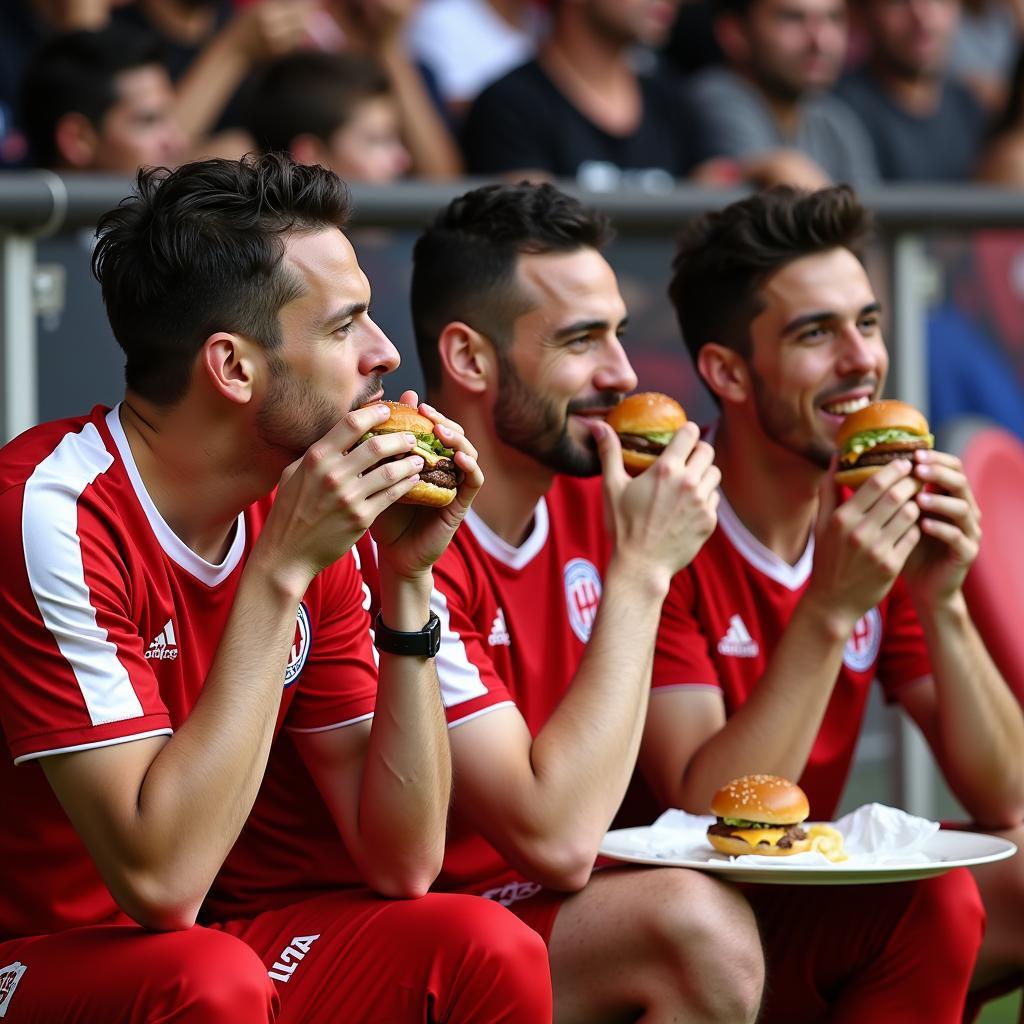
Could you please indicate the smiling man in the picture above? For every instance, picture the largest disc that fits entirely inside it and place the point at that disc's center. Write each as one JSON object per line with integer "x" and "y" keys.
{"x": 772, "y": 636}
{"x": 550, "y": 607}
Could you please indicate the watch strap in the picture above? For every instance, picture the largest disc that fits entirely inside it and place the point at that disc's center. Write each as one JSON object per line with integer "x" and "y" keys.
{"x": 422, "y": 643}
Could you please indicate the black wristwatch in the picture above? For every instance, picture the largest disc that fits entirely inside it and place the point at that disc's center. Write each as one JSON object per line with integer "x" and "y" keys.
{"x": 424, "y": 643}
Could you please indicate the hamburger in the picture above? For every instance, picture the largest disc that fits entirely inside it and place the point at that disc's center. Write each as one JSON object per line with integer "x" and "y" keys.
{"x": 875, "y": 435}
{"x": 759, "y": 814}
{"x": 439, "y": 478}
{"x": 645, "y": 423}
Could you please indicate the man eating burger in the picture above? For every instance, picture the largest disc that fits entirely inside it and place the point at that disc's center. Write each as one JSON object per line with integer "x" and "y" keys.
{"x": 805, "y": 594}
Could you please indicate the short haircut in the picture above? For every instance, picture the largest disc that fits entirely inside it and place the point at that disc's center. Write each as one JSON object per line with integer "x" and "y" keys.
{"x": 198, "y": 250}
{"x": 310, "y": 93}
{"x": 77, "y": 73}
{"x": 464, "y": 264}
{"x": 723, "y": 258}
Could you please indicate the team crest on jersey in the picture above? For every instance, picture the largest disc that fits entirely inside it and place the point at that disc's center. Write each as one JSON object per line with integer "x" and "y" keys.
{"x": 300, "y": 648}
{"x": 9, "y": 978}
{"x": 582, "y": 596}
{"x": 865, "y": 642}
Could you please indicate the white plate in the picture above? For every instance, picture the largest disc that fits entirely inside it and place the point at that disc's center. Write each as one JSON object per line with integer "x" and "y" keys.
{"x": 947, "y": 849}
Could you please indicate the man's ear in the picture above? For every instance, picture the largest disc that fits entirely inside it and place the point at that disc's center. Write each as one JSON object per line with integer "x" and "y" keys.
{"x": 725, "y": 372}
{"x": 76, "y": 140}
{"x": 467, "y": 357}
{"x": 731, "y": 34}
{"x": 232, "y": 364}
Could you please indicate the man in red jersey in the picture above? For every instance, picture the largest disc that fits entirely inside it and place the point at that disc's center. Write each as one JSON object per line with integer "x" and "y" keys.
{"x": 181, "y": 588}
{"x": 771, "y": 637}
{"x": 550, "y": 604}
{"x": 546, "y": 693}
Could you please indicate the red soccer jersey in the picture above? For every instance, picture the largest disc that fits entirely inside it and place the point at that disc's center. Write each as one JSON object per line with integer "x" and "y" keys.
{"x": 515, "y": 622}
{"x": 109, "y": 627}
{"x": 724, "y": 616}
{"x": 510, "y": 635}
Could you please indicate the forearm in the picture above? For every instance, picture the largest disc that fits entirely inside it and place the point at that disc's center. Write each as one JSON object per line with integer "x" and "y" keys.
{"x": 406, "y": 784}
{"x": 198, "y": 791}
{"x": 775, "y": 729}
{"x": 431, "y": 146}
{"x": 203, "y": 91}
{"x": 584, "y": 756}
{"x": 980, "y": 726}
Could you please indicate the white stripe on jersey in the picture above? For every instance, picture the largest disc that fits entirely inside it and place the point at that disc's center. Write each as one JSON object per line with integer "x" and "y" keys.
{"x": 115, "y": 741}
{"x": 459, "y": 677}
{"x": 53, "y": 559}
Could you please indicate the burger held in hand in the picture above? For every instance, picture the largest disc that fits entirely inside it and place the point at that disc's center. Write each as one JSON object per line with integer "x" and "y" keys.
{"x": 645, "y": 423}
{"x": 871, "y": 437}
{"x": 440, "y": 477}
{"x": 759, "y": 814}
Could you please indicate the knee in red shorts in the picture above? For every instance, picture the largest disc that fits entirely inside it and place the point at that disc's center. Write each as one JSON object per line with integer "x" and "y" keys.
{"x": 499, "y": 961}
{"x": 950, "y": 918}
{"x": 209, "y": 977}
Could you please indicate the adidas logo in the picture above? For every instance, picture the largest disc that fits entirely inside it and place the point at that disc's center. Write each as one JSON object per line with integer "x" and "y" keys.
{"x": 164, "y": 646}
{"x": 499, "y": 635}
{"x": 737, "y": 641}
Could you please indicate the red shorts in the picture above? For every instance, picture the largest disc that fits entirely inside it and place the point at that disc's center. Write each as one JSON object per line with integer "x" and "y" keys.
{"x": 353, "y": 955}
{"x": 899, "y": 953}
{"x": 341, "y": 956}
{"x": 123, "y": 973}
{"x": 529, "y": 901}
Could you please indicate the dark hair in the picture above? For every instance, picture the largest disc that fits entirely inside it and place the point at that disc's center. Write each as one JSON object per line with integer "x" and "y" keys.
{"x": 723, "y": 258}
{"x": 310, "y": 93}
{"x": 464, "y": 264}
{"x": 198, "y": 250}
{"x": 77, "y": 72}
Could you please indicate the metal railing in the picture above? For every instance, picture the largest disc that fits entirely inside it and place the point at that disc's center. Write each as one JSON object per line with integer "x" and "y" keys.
{"x": 34, "y": 205}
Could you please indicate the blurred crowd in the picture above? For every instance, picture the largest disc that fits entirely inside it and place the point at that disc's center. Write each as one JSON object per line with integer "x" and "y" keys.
{"x": 606, "y": 92}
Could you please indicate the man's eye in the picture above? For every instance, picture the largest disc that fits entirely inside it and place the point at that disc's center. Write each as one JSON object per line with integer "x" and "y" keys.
{"x": 345, "y": 328}
{"x": 813, "y": 333}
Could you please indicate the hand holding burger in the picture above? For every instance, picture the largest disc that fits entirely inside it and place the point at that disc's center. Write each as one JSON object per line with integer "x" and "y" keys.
{"x": 440, "y": 477}
{"x": 645, "y": 423}
{"x": 873, "y": 436}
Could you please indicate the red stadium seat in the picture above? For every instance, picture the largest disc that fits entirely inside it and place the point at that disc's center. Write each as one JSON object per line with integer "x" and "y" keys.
{"x": 993, "y": 459}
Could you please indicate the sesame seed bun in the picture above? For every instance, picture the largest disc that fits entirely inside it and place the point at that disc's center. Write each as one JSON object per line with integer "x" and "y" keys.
{"x": 769, "y": 799}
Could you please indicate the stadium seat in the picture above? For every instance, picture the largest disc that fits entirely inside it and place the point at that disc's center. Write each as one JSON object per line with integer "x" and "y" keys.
{"x": 993, "y": 460}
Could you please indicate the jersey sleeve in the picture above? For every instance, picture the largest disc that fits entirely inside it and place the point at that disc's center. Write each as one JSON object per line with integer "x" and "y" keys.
{"x": 338, "y": 682}
{"x": 72, "y": 662}
{"x": 681, "y": 656}
{"x": 904, "y": 656}
{"x": 470, "y": 682}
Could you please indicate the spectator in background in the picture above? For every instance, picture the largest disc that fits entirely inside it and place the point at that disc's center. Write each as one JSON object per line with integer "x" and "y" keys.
{"x": 1002, "y": 160}
{"x": 985, "y": 48}
{"x": 100, "y": 101}
{"x": 210, "y": 49}
{"x": 769, "y": 107}
{"x": 467, "y": 44}
{"x": 581, "y": 110}
{"x": 336, "y": 110}
{"x": 376, "y": 29}
{"x": 925, "y": 125}
{"x": 27, "y": 24}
